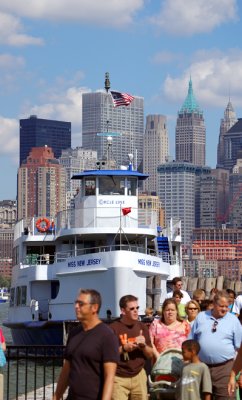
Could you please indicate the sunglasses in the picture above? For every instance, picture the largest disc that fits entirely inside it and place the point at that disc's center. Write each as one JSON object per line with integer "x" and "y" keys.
{"x": 133, "y": 308}
{"x": 192, "y": 308}
{"x": 81, "y": 303}
{"x": 214, "y": 327}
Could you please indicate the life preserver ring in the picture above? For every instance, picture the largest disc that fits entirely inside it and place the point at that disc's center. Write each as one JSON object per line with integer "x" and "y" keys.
{"x": 43, "y": 224}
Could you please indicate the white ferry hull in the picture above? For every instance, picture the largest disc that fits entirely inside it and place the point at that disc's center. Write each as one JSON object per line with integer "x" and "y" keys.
{"x": 114, "y": 274}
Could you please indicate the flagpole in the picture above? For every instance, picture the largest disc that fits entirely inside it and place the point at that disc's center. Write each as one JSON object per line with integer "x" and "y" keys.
{"x": 120, "y": 228}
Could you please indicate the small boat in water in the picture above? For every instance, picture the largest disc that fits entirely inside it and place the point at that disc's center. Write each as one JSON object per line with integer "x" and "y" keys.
{"x": 4, "y": 295}
{"x": 106, "y": 242}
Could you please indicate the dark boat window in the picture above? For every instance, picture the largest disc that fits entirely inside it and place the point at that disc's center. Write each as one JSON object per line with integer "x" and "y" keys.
{"x": 23, "y": 295}
{"x": 90, "y": 187}
{"x": 18, "y": 296}
{"x": 132, "y": 186}
{"x": 111, "y": 185}
{"x": 55, "y": 286}
{"x": 11, "y": 300}
{"x": 16, "y": 255}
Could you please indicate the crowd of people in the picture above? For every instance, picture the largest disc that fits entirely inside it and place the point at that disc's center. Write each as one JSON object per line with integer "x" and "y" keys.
{"x": 111, "y": 361}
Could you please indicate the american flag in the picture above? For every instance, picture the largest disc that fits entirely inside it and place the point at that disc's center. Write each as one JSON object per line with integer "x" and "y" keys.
{"x": 121, "y": 99}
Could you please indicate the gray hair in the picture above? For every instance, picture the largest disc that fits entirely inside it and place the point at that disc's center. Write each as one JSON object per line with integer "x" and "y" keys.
{"x": 94, "y": 295}
{"x": 219, "y": 295}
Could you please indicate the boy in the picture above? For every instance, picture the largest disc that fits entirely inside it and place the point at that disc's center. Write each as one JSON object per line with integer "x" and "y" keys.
{"x": 195, "y": 381}
{"x": 177, "y": 296}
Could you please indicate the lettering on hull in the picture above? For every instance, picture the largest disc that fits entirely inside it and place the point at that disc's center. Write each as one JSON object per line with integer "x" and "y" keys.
{"x": 83, "y": 263}
{"x": 149, "y": 263}
{"x": 97, "y": 261}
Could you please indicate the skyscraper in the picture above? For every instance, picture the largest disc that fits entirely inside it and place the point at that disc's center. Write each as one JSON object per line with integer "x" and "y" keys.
{"x": 226, "y": 123}
{"x": 75, "y": 161}
{"x": 41, "y": 185}
{"x": 214, "y": 193}
{"x": 208, "y": 201}
{"x": 38, "y": 132}
{"x": 8, "y": 213}
{"x": 234, "y": 214}
{"x": 126, "y": 124}
{"x": 190, "y": 131}
{"x": 155, "y": 148}
{"x": 8, "y": 216}
{"x": 179, "y": 192}
{"x": 233, "y": 145}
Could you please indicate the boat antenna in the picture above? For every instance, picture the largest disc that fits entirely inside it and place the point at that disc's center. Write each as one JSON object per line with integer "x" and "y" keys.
{"x": 107, "y": 86}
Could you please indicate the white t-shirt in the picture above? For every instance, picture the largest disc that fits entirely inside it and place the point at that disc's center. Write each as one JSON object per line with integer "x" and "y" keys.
{"x": 237, "y": 304}
{"x": 184, "y": 299}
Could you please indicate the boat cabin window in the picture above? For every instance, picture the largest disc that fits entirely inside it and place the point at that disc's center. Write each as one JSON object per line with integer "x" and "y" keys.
{"x": 18, "y": 296}
{"x": 90, "y": 187}
{"x": 21, "y": 295}
{"x": 11, "y": 300}
{"x": 40, "y": 255}
{"x": 132, "y": 186}
{"x": 16, "y": 255}
{"x": 111, "y": 185}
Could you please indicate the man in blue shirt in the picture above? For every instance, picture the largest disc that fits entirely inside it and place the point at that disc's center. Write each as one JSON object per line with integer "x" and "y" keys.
{"x": 219, "y": 334}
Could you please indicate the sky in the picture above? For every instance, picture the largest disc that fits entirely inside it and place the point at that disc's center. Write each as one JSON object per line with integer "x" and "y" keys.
{"x": 53, "y": 51}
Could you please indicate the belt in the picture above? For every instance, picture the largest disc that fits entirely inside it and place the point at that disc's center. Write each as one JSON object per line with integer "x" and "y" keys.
{"x": 219, "y": 364}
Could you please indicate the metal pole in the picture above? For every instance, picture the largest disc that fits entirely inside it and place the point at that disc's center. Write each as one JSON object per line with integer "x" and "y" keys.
{"x": 120, "y": 229}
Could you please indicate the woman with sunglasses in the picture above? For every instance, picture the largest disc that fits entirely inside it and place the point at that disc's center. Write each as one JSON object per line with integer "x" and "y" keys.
{"x": 170, "y": 331}
{"x": 192, "y": 309}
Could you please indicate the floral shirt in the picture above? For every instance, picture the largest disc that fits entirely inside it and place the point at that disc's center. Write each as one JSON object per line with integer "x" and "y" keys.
{"x": 166, "y": 338}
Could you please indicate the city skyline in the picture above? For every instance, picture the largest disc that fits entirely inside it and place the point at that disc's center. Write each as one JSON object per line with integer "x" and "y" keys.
{"x": 50, "y": 55}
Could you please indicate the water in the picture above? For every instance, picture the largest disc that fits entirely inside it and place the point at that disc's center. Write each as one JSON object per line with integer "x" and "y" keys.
{"x": 32, "y": 369}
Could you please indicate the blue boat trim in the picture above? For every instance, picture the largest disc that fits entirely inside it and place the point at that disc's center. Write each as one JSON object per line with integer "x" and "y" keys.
{"x": 111, "y": 172}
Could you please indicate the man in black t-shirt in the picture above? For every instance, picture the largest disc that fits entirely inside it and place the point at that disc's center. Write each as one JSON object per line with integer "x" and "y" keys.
{"x": 134, "y": 348}
{"x": 91, "y": 354}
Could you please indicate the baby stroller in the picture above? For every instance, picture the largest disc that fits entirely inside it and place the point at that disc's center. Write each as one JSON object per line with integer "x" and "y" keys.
{"x": 165, "y": 375}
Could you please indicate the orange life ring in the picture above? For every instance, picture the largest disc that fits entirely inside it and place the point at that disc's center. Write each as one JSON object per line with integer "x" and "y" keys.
{"x": 43, "y": 227}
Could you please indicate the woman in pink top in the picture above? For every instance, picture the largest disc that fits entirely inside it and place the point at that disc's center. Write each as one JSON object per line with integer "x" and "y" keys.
{"x": 2, "y": 340}
{"x": 171, "y": 331}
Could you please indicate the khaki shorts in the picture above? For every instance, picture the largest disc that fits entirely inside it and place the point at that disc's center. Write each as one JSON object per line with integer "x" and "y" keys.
{"x": 134, "y": 388}
{"x": 220, "y": 377}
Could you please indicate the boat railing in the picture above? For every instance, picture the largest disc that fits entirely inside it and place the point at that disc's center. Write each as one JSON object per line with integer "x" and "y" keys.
{"x": 62, "y": 256}
{"x": 45, "y": 259}
{"x": 88, "y": 217}
{"x": 96, "y": 217}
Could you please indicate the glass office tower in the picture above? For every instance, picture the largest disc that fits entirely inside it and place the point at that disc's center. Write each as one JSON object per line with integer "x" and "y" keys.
{"x": 38, "y": 132}
{"x": 125, "y": 124}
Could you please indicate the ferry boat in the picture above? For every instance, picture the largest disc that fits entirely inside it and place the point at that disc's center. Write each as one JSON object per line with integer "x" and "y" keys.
{"x": 106, "y": 242}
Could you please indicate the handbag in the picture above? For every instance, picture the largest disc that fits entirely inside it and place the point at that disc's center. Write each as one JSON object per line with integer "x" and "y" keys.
{"x": 3, "y": 360}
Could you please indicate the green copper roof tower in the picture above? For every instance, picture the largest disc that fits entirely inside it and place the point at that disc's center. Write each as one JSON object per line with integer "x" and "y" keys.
{"x": 190, "y": 104}
{"x": 190, "y": 131}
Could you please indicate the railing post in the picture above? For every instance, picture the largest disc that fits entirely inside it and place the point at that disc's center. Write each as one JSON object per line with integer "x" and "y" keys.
{"x": 1, "y": 386}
